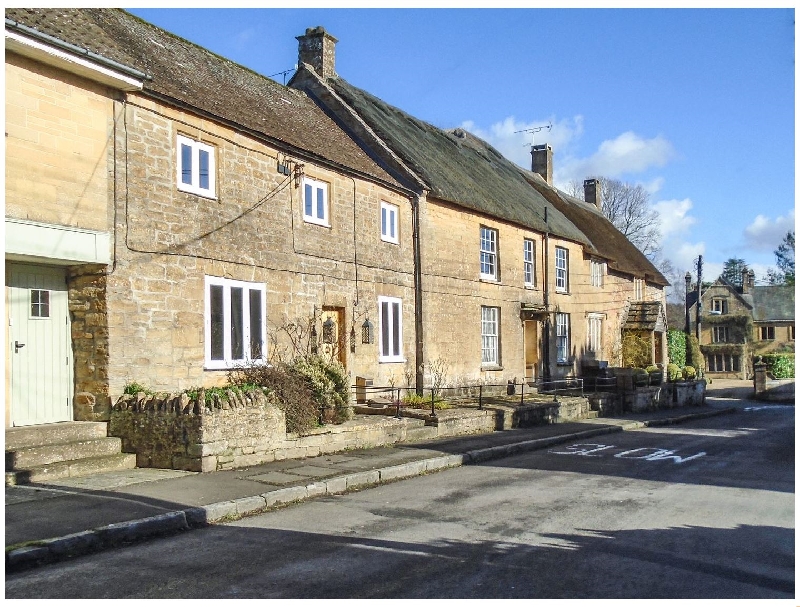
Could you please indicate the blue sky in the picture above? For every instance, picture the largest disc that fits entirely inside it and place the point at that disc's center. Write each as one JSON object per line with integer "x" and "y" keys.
{"x": 697, "y": 105}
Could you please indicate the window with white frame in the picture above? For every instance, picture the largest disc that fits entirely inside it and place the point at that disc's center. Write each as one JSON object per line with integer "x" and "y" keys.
{"x": 196, "y": 167}
{"x": 562, "y": 270}
{"x": 598, "y": 270}
{"x": 719, "y": 305}
{"x": 488, "y": 253}
{"x": 315, "y": 201}
{"x": 719, "y": 335}
{"x": 490, "y": 335}
{"x": 594, "y": 333}
{"x": 389, "y": 214}
{"x": 562, "y": 337}
{"x": 529, "y": 262}
{"x": 638, "y": 289}
{"x": 390, "y": 329}
{"x": 235, "y": 322}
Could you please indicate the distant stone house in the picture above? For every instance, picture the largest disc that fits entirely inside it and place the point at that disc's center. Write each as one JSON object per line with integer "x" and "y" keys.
{"x": 740, "y": 322}
{"x": 517, "y": 278}
{"x": 169, "y": 211}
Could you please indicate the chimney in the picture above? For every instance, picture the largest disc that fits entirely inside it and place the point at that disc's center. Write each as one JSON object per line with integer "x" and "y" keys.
{"x": 318, "y": 49}
{"x": 592, "y": 194}
{"x": 748, "y": 280}
{"x": 542, "y": 162}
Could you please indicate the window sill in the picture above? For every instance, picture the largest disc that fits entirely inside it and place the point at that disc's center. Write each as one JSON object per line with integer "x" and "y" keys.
{"x": 197, "y": 192}
{"x": 490, "y": 280}
{"x": 529, "y": 287}
{"x": 382, "y": 361}
{"x": 390, "y": 241}
{"x": 562, "y": 292}
{"x": 491, "y": 367}
{"x": 316, "y": 222}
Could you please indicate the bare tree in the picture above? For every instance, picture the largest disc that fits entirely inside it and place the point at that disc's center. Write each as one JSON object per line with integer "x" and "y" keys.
{"x": 627, "y": 206}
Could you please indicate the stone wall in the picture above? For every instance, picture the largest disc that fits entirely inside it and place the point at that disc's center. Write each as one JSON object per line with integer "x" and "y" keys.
{"x": 649, "y": 398}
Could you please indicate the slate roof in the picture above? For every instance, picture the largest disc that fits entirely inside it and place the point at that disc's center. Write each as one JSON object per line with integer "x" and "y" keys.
{"x": 645, "y": 316}
{"x": 772, "y": 303}
{"x": 194, "y": 76}
{"x": 457, "y": 166}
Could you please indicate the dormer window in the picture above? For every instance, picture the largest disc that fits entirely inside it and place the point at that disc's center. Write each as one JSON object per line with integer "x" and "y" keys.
{"x": 719, "y": 305}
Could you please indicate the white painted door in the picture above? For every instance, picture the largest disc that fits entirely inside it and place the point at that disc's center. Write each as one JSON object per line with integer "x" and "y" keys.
{"x": 40, "y": 344}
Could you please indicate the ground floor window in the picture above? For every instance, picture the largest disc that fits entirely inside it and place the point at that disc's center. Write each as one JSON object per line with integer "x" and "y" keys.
{"x": 391, "y": 329}
{"x": 562, "y": 337}
{"x": 235, "y": 322}
{"x": 722, "y": 363}
{"x": 490, "y": 335}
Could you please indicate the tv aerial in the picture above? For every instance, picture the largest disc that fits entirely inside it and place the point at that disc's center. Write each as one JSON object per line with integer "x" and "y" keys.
{"x": 535, "y": 130}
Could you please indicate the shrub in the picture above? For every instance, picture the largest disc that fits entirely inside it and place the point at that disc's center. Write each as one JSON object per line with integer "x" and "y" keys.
{"x": 652, "y": 369}
{"x": 134, "y": 388}
{"x": 640, "y": 376}
{"x": 676, "y": 347}
{"x": 694, "y": 357}
{"x": 415, "y": 401}
{"x": 293, "y": 391}
{"x": 636, "y": 350}
{"x": 689, "y": 372}
{"x": 779, "y": 366}
{"x": 329, "y": 384}
{"x": 673, "y": 372}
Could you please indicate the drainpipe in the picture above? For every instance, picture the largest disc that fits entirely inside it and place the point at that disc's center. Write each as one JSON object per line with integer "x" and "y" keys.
{"x": 546, "y": 342}
{"x": 419, "y": 353}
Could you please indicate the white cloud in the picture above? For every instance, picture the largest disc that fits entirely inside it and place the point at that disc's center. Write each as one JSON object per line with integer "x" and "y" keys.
{"x": 684, "y": 254}
{"x": 627, "y": 153}
{"x": 764, "y": 234}
{"x": 674, "y": 217}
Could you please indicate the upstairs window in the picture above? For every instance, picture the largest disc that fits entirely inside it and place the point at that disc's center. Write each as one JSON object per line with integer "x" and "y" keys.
{"x": 638, "y": 289}
{"x": 598, "y": 270}
{"x": 488, "y": 253}
{"x": 235, "y": 322}
{"x": 389, "y": 213}
{"x": 719, "y": 335}
{"x": 196, "y": 167}
{"x": 719, "y": 305}
{"x": 391, "y": 329}
{"x": 315, "y": 201}
{"x": 529, "y": 262}
{"x": 562, "y": 270}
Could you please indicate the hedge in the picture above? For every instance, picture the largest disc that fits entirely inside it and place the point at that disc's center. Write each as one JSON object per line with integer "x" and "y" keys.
{"x": 780, "y": 366}
{"x": 676, "y": 347}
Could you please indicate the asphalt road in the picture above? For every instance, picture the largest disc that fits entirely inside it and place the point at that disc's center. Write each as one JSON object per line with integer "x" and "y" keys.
{"x": 700, "y": 510}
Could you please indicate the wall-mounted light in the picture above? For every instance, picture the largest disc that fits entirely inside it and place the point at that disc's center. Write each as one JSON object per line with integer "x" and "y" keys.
{"x": 353, "y": 339}
{"x": 313, "y": 339}
{"x": 367, "y": 333}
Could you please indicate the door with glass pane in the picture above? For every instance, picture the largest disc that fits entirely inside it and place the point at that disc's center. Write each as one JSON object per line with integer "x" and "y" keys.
{"x": 39, "y": 348}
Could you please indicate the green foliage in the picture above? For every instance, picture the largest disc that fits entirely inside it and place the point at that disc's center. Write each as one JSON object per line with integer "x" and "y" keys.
{"x": 676, "y": 347}
{"x": 779, "y": 366}
{"x": 134, "y": 388}
{"x": 329, "y": 384}
{"x": 732, "y": 270}
{"x": 673, "y": 372}
{"x": 415, "y": 401}
{"x": 652, "y": 369}
{"x": 784, "y": 257}
{"x": 689, "y": 372}
{"x": 636, "y": 350}
{"x": 694, "y": 357}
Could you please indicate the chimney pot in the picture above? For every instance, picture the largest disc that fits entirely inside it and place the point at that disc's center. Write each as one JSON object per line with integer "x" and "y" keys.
{"x": 542, "y": 161}
{"x": 592, "y": 193}
{"x": 317, "y": 48}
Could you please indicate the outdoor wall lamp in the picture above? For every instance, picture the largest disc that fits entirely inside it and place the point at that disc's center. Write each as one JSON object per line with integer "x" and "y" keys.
{"x": 367, "y": 333}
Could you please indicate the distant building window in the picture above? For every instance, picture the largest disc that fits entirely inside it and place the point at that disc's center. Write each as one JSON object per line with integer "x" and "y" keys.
{"x": 791, "y": 332}
{"x": 529, "y": 262}
{"x": 490, "y": 335}
{"x": 389, "y": 214}
{"x": 719, "y": 335}
{"x": 390, "y": 329}
{"x": 638, "y": 289}
{"x": 723, "y": 363}
{"x": 719, "y": 305}
{"x": 488, "y": 253}
{"x": 767, "y": 333}
{"x": 562, "y": 337}
{"x": 598, "y": 271}
{"x": 315, "y": 201}
{"x": 594, "y": 333}
{"x": 196, "y": 167}
{"x": 562, "y": 270}
{"x": 40, "y": 303}
{"x": 235, "y": 322}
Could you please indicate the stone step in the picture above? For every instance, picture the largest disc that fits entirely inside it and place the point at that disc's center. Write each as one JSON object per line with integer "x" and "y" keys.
{"x": 72, "y": 468}
{"x": 53, "y": 434}
{"x": 422, "y": 433}
{"x": 41, "y": 455}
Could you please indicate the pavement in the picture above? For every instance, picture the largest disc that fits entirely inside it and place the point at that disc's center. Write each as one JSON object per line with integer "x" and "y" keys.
{"x": 56, "y": 520}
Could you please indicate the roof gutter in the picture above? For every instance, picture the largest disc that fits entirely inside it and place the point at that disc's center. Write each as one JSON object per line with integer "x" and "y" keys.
{"x": 81, "y": 52}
